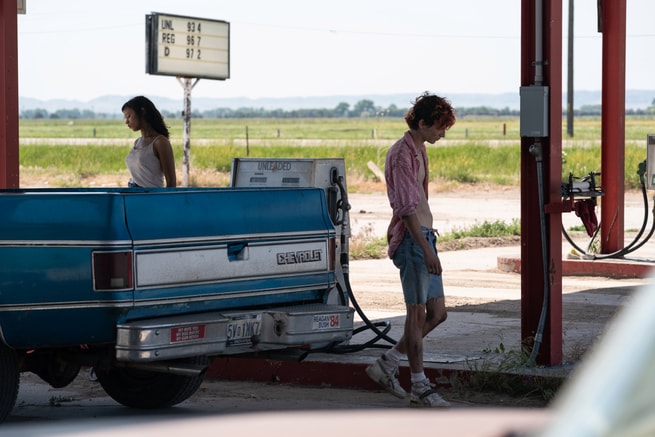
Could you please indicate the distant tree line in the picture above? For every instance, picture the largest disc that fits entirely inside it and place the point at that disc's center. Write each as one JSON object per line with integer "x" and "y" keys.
{"x": 363, "y": 108}
{"x": 75, "y": 113}
{"x": 587, "y": 110}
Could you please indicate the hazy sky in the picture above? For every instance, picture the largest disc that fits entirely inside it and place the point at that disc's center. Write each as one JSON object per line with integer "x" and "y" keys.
{"x": 82, "y": 49}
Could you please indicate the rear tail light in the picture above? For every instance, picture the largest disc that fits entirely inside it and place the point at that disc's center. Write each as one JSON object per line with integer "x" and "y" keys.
{"x": 112, "y": 271}
{"x": 331, "y": 253}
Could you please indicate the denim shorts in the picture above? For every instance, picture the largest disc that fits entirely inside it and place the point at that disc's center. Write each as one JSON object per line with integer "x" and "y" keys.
{"x": 418, "y": 285}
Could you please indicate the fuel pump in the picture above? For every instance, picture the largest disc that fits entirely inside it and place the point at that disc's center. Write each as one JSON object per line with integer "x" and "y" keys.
{"x": 330, "y": 175}
{"x": 581, "y": 197}
{"x": 325, "y": 173}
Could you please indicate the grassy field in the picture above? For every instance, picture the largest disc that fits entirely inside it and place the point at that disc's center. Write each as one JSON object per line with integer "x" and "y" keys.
{"x": 476, "y": 150}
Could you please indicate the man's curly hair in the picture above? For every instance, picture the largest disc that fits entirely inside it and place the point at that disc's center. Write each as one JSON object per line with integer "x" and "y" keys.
{"x": 431, "y": 109}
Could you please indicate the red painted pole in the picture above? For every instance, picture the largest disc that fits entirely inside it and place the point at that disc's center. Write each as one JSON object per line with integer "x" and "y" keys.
{"x": 613, "y": 126}
{"x": 8, "y": 95}
{"x": 533, "y": 285}
{"x": 552, "y": 351}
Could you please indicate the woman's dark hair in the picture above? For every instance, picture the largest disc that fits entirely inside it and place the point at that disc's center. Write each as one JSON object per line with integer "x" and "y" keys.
{"x": 431, "y": 109}
{"x": 146, "y": 110}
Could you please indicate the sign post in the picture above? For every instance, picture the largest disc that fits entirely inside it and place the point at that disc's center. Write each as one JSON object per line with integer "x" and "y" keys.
{"x": 187, "y": 48}
{"x": 187, "y": 84}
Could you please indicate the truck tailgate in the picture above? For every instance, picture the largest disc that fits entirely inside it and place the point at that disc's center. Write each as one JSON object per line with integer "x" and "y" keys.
{"x": 219, "y": 249}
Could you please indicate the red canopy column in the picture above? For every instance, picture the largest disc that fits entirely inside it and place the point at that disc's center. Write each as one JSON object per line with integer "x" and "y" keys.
{"x": 535, "y": 285}
{"x": 612, "y": 172}
{"x": 8, "y": 95}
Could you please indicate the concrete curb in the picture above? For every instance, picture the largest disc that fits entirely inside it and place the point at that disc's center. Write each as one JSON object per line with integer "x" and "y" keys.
{"x": 333, "y": 372}
{"x": 610, "y": 268}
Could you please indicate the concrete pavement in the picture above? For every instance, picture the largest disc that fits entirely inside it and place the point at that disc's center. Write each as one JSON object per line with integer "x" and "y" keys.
{"x": 479, "y": 337}
{"x": 483, "y": 297}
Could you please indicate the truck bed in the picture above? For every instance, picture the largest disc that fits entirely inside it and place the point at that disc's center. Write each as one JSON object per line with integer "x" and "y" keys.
{"x": 75, "y": 263}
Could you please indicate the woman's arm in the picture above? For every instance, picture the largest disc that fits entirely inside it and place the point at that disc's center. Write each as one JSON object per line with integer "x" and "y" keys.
{"x": 164, "y": 152}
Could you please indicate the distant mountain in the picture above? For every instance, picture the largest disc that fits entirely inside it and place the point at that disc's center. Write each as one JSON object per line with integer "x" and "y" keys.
{"x": 111, "y": 104}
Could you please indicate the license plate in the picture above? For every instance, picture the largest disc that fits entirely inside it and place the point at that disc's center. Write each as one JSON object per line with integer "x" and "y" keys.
{"x": 241, "y": 329}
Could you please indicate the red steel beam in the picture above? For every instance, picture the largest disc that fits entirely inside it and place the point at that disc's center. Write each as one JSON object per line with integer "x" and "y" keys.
{"x": 8, "y": 95}
{"x": 533, "y": 287}
{"x": 613, "y": 21}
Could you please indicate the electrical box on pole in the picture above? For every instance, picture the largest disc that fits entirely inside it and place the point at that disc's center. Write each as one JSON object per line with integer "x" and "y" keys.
{"x": 534, "y": 111}
{"x": 188, "y": 48}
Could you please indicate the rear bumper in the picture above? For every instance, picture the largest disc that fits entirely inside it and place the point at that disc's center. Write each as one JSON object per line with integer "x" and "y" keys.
{"x": 228, "y": 333}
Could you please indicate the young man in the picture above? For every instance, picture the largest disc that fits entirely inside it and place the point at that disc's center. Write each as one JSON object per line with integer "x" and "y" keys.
{"x": 412, "y": 247}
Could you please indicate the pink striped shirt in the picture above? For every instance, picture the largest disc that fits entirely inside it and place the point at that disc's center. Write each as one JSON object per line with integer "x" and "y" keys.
{"x": 400, "y": 172}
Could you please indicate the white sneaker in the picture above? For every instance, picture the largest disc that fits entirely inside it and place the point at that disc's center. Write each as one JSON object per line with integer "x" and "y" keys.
{"x": 423, "y": 395}
{"x": 386, "y": 378}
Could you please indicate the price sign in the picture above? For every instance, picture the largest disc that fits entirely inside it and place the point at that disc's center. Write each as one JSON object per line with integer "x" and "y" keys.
{"x": 187, "y": 47}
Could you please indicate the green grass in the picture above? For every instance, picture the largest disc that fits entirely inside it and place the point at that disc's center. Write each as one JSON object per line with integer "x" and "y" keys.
{"x": 485, "y": 229}
{"x": 223, "y": 129}
{"x": 366, "y": 245}
{"x": 476, "y": 150}
{"x": 499, "y": 373}
{"x": 461, "y": 164}
{"x": 467, "y": 128}
{"x": 476, "y": 163}
{"x": 82, "y": 160}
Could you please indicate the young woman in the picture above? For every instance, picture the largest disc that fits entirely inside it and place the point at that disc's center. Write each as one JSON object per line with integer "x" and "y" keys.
{"x": 151, "y": 161}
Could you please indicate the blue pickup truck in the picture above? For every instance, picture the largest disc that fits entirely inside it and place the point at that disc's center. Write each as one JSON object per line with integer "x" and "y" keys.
{"x": 146, "y": 285}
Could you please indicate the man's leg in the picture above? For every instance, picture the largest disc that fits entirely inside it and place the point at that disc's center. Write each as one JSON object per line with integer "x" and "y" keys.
{"x": 409, "y": 259}
{"x": 436, "y": 314}
{"x": 384, "y": 371}
{"x": 413, "y": 336}
{"x": 422, "y": 393}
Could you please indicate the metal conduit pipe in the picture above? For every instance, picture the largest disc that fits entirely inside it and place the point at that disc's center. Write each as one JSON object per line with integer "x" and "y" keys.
{"x": 536, "y": 151}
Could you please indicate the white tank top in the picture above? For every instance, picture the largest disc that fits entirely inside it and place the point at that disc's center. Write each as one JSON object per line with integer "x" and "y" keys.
{"x": 144, "y": 165}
